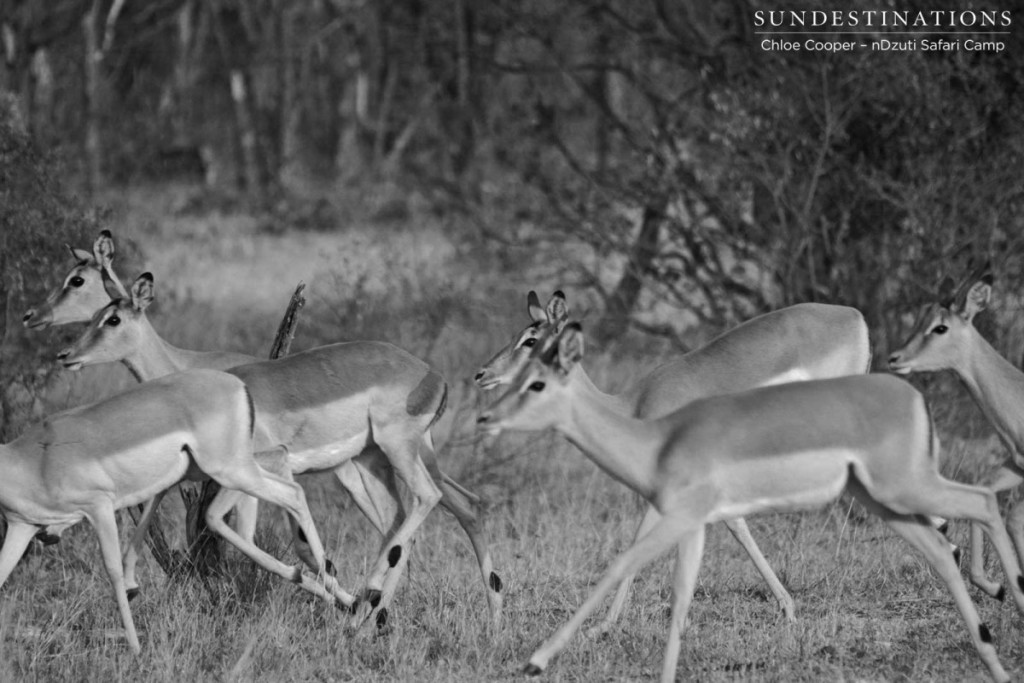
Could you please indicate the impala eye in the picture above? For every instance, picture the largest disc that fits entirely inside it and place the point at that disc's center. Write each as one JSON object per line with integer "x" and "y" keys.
{"x": 536, "y": 386}
{"x": 940, "y": 329}
{"x": 76, "y": 281}
{"x": 113, "y": 321}
{"x": 529, "y": 342}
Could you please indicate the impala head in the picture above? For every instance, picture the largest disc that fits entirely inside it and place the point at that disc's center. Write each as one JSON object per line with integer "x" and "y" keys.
{"x": 88, "y": 286}
{"x": 506, "y": 364}
{"x": 539, "y": 394}
{"x": 943, "y": 331}
{"x": 113, "y": 331}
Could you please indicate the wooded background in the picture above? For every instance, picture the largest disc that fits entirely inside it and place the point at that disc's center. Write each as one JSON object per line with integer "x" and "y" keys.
{"x": 651, "y": 149}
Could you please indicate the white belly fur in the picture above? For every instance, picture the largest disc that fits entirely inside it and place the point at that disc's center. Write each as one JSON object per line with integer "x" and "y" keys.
{"x": 328, "y": 456}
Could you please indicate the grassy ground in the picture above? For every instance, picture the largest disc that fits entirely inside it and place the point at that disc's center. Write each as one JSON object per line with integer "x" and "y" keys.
{"x": 868, "y": 608}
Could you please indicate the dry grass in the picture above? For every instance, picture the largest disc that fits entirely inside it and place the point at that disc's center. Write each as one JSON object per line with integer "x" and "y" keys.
{"x": 868, "y": 607}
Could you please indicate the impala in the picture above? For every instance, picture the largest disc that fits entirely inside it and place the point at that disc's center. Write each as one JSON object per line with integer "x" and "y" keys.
{"x": 315, "y": 411}
{"x": 777, "y": 448}
{"x": 800, "y": 342}
{"x": 87, "y": 286}
{"x": 88, "y": 462}
{"x": 944, "y": 338}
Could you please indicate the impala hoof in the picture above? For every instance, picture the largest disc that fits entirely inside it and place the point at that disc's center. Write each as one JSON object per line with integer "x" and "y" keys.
{"x": 532, "y": 669}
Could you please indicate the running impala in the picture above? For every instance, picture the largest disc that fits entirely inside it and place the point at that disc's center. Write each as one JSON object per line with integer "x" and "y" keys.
{"x": 88, "y": 462}
{"x": 806, "y": 341}
{"x": 369, "y": 477}
{"x": 944, "y": 338}
{"x": 778, "y": 448}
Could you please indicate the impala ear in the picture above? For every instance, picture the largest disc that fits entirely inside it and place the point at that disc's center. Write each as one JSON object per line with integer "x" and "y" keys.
{"x": 570, "y": 347}
{"x": 103, "y": 249}
{"x": 557, "y": 311}
{"x": 80, "y": 255}
{"x": 142, "y": 292}
{"x": 534, "y": 308}
{"x": 977, "y": 298}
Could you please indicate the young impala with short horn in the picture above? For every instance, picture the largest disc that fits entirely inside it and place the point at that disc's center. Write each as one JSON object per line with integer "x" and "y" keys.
{"x": 806, "y": 341}
{"x": 315, "y": 411}
{"x": 944, "y": 338}
{"x": 88, "y": 462}
{"x": 778, "y": 448}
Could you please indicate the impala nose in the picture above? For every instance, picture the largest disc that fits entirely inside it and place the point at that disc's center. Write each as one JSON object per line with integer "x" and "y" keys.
{"x": 63, "y": 354}
{"x": 894, "y": 359}
{"x": 483, "y": 419}
{"x": 28, "y": 315}
{"x": 479, "y": 376}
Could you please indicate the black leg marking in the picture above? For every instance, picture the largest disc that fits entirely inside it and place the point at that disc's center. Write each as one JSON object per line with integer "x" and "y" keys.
{"x": 1020, "y": 582}
{"x": 983, "y": 633}
{"x": 132, "y": 593}
{"x": 329, "y": 566}
{"x": 297, "y": 575}
{"x": 374, "y": 597}
{"x": 956, "y": 555}
{"x": 354, "y": 607}
{"x": 382, "y": 618}
{"x": 302, "y": 536}
{"x": 944, "y": 528}
{"x": 394, "y": 555}
{"x": 495, "y": 583}
{"x": 532, "y": 670}
{"x": 1001, "y": 594}
{"x": 46, "y": 538}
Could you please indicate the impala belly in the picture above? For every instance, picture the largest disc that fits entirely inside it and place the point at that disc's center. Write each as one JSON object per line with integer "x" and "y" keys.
{"x": 330, "y": 455}
{"x": 768, "y": 484}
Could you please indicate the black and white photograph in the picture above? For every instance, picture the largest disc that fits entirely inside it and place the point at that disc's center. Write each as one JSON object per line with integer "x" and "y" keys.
{"x": 498, "y": 340}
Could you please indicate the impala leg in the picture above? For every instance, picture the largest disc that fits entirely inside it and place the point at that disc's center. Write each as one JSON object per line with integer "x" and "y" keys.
{"x": 741, "y": 532}
{"x": 131, "y": 553}
{"x": 276, "y": 492}
{"x": 19, "y": 535}
{"x": 370, "y": 480}
{"x": 667, "y": 532}
{"x": 403, "y": 453}
{"x": 933, "y": 494}
{"x": 1006, "y": 477}
{"x": 688, "y": 557}
{"x": 105, "y": 523}
{"x": 650, "y": 518}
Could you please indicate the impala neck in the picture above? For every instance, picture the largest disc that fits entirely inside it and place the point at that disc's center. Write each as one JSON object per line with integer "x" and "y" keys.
{"x": 624, "y": 447}
{"x": 155, "y": 357}
{"x": 996, "y": 385}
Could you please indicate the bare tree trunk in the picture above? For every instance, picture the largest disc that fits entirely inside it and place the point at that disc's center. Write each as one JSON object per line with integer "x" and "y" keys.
{"x": 92, "y": 64}
{"x": 246, "y": 133}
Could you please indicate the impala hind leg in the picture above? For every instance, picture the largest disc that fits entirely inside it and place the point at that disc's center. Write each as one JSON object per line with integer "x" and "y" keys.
{"x": 466, "y": 508}
{"x": 289, "y": 496}
{"x": 669, "y": 531}
{"x": 917, "y": 531}
{"x": 105, "y": 523}
{"x": 1008, "y": 476}
{"x": 741, "y": 532}
{"x": 404, "y": 455}
{"x": 131, "y": 553}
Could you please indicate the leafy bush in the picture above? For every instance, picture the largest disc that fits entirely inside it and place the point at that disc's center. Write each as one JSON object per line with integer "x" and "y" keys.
{"x": 37, "y": 217}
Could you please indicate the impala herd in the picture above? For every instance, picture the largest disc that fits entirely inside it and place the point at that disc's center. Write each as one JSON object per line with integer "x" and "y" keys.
{"x": 778, "y": 414}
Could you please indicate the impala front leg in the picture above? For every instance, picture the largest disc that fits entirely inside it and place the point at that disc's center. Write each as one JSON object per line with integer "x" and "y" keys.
{"x": 1006, "y": 477}
{"x": 19, "y": 535}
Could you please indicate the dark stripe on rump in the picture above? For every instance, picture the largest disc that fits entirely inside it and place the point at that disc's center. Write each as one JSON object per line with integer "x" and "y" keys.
{"x": 252, "y": 410}
{"x": 430, "y": 395}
